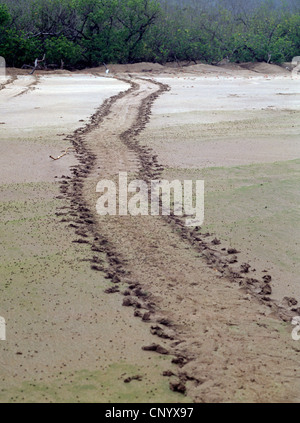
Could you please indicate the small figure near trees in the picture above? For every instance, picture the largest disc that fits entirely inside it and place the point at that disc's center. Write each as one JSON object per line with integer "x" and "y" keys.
{"x": 107, "y": 70}
{"x": 36, "y": 64}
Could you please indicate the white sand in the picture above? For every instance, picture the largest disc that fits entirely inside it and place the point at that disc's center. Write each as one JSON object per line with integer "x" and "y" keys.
{"x": 32, "y": 123}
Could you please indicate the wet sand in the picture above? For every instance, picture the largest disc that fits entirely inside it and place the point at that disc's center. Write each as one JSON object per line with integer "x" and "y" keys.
{"x": 241, "y": 135}
{"x": 67, "y": 341}
{"x": 74, "y": 342}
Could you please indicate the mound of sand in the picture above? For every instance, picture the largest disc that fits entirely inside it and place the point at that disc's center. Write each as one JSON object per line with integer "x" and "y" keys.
{"x": 228, "y": 69}
{"x": 265, "y": 68}
{"x": 243, "y": 69}
{"x": 129, "y": 68}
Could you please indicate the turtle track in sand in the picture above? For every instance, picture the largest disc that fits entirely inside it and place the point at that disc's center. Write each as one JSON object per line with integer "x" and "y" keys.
{"x": 228, "y": 339}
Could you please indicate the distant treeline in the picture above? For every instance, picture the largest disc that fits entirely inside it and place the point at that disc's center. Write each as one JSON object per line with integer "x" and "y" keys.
{"x": 81, "y": 33}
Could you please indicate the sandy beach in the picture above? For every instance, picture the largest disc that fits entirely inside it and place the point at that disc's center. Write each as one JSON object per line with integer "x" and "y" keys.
{"x": 144, "y": 309}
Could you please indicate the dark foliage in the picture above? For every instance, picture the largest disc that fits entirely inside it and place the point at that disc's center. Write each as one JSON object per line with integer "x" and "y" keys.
{"x": 80, "y": 33}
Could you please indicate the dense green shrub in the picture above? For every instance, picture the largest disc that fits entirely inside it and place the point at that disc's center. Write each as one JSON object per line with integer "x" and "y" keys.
{"x": 82, "y": 33}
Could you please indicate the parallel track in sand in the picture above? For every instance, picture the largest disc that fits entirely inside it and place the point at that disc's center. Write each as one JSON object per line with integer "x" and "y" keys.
{"x": 230, "y": 344}
{"x": 15, "y": 86}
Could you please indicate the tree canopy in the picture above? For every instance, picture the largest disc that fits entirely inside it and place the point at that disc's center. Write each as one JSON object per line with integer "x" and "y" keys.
{"x": 83, "y": 33}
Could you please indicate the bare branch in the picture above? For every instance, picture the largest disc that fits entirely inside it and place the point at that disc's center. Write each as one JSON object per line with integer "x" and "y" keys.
{"x": 36, "y": 63}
